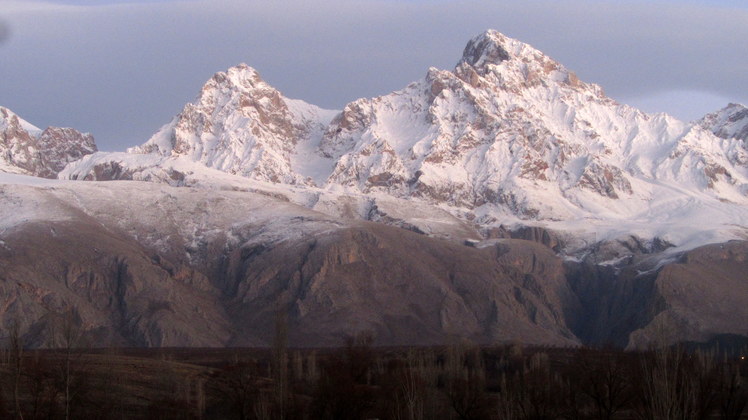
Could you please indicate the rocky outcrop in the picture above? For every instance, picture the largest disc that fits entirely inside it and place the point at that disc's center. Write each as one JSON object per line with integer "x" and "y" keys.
{"x": 703, "y": 294}
{"x": 29, "y": 150}
{"x": 405, "y": 288}
{"x": 115, "y": 292}
{"x": 635, "y": 294}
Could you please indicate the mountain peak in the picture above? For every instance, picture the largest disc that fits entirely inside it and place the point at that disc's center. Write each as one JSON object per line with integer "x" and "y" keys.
{"x": 508, "y": 130}
{"x": 493, "y": 47}
{"x": 242, "y": 125}
{"x": 241, "y": 75}
{"x": 244, "y": 72}
{"x": 486, "y": 48}
{"x": 8, "y": 118}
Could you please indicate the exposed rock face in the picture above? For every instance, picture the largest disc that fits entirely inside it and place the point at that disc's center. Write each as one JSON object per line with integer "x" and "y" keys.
{"x": 642, "y": 299}
{"x": 118, "y": 293}
{"x": 703, "y": 295}
{"x": 29, "y": 150}
{"x": 729, "y": 122}
{"x": 406, "y": 288}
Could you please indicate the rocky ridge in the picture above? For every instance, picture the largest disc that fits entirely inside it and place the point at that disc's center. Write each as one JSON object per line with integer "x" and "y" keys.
{"x": 729, "y": 122}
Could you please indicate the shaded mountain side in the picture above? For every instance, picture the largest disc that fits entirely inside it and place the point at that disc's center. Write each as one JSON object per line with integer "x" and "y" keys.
{"x": 406, "y": 288}
{"x": 649, "y": 299}
{"x": 615, "y": 302}
{"x": 705, "y": 294}
{"x": 146, "y": 264}
{"x": 113, "y": 289}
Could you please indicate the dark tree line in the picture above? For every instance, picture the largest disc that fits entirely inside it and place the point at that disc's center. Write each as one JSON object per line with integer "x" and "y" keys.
{"x": 359, "y": 381}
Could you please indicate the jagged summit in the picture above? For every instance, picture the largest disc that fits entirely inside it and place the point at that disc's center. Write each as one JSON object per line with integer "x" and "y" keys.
{"x": 492, "y": 48}
{"x": 26, "y": 149}
{"x": 241, "y": 125}
{"x": 513, "y": 65}
{"x": 240, "y": 77}
{"x": 489, "y": 47}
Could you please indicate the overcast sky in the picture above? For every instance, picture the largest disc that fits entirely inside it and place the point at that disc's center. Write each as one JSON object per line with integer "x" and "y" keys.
{"x": 121, "y": 69}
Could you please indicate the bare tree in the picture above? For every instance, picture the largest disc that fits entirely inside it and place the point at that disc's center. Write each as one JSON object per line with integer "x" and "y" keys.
{"x": 676, "y": 384}
{"x": 604, "y": 378}
{"x": 534, "y": 391}
{"x": 312, "y": 369}
{"x": 280, "y": 362}
{"x": 343, "y": 390}
{"x": 69, "y": 341}
{"x": 15, "y": 357}
{"x": 4, "y": 362}
{"x": 464, "y": 380}
{"x": 241, "y": 390}
{"x": 732, "y": 392}
{"x": 419, "y": 385}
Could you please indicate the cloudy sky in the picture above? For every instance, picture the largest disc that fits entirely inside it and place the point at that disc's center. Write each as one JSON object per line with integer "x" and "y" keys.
{"x": 121, "y": 69}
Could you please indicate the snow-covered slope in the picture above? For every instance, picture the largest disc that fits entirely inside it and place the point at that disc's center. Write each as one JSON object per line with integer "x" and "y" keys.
{"x": 729, "y": 122}
{"x": 26, "y": 149}
{"x": 509, "y": 136}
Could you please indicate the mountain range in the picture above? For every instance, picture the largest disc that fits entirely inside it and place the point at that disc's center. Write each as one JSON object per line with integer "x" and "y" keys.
{"x": 502, "y": 200}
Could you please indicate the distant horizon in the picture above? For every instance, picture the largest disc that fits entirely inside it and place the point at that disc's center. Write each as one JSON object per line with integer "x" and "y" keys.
{"x": 122, "y": 69}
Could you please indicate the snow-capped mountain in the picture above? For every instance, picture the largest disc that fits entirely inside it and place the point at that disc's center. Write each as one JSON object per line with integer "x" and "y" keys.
{"x": 630, "y": 223}
{"x": 511, "y": 127}
{"x": 729, "y": 122}
{"x": 508, "y": 136}
{"x": 26, "y": 149}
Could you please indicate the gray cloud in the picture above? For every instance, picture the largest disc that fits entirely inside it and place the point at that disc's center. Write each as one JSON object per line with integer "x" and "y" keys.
{"x": 121, "y": 71}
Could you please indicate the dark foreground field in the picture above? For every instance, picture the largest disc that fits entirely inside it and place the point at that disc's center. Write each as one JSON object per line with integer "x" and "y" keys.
{"x": 358, "y": 380}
